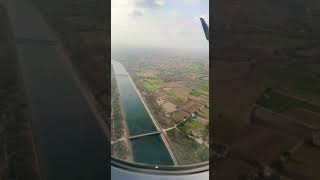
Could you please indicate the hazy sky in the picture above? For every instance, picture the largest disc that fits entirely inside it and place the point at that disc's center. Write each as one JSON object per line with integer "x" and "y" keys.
{"x": 164, "y": 23}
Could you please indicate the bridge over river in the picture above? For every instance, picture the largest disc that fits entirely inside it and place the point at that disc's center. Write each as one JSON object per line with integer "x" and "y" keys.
{"x": 145, "y": 134}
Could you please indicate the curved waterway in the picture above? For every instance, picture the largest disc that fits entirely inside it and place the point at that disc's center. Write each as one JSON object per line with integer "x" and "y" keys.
{"x": 70, "y": 143}
{"x": 146, "y": 149}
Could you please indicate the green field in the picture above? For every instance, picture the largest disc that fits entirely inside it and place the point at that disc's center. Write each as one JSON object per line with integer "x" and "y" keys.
{"x": 195, "y": 67}
{"x": 153, "y": 86}
{"x": 172, "y": 94}
{"x": 190, "y": 125}
{"x": 204, "y": 87}
{"x": 187, "y": 150}
{"x": 195, "y": 93}
{"x": 292, "y": 75}
{"x": 281, "y": 103}
{"x": 307, "y": 84}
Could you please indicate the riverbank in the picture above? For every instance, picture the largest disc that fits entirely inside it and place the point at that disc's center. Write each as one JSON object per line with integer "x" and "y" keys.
{"x": 120, "y": 144}
{"x": 93, "y": 104}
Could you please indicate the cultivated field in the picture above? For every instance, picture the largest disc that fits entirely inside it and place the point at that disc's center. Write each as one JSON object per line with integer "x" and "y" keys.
{"x": 177, "y": 91}
{"x": 266, "y": 54}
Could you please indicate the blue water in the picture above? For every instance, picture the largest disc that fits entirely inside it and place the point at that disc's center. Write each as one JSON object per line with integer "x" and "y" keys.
{"x": 137, "y": 117}
{"x": 146, "y": 149}
{"x": 150, "y": 150}
{"x": 71, "y": 144}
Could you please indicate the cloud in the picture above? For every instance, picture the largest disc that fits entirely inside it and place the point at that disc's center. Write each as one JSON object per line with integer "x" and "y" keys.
{"x": 149, "y": 3}
{"x": 139, "y": 7}
{"x": 191, "y": 1}
{"x": 136, "y": 13}
{"x": 151, "y": 23}
{"x": 135, "y": 7}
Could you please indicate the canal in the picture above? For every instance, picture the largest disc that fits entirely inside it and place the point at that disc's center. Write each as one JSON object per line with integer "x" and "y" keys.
{"x": 146, "y": 149}
{"x": 70, "y": 143}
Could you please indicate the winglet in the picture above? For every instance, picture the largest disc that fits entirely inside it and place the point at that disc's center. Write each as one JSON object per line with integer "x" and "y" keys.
{"x": 205, "y": 28}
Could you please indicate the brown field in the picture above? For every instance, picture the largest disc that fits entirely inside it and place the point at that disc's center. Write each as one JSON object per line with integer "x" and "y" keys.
{"x": 179, "y": 88}
{"x": 306, "y": 161}
{"x": 180, "y": 91}
{"x": 191, "y": 107}
{"x": 178, "y": 116}
{"x": 202, "y": 120}
{"x": 148, "y": 73}
{"x": 235, "y": 98}
{"x": 200, "y": 99}
{"x": 236, "y": 169}
{"x": 255, "y": 49}
{"x": 204, "y": 113}
{"x": 264, "y": 145}
{"x": 169, "y": 107}
{"x": 173, "y": 100}
{"x": 305, "y": 116}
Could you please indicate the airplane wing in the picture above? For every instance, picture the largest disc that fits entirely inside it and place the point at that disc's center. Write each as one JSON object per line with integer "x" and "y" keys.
{"x": 205, "y": 28}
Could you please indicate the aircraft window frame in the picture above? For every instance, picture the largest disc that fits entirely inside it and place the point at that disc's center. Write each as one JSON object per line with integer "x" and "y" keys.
{"x": 160, "y": 169}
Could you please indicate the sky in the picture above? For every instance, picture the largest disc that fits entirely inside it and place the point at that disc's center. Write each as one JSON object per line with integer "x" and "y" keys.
{"x": 159, "y": 23}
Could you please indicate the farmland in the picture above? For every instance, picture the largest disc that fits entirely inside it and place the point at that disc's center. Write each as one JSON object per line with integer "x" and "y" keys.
{"x": 306, "y": 161}
{"x": 266, "y": 87}
{"x": 176, "y": 89}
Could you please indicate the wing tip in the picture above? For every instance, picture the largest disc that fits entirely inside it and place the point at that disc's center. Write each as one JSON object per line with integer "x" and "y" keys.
{"x": 205, "y": 27}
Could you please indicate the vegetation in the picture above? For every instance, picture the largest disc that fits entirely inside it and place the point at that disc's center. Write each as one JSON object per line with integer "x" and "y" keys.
{"x": 281, "y": 103}
{"x": 306, "y": 161}
{"x": 190, "y": 125}
{"x": 308, "y": 84}
{"x": 204, "y": 113}
{"x": 280, "y": 52}
{"x": 153, "y": 86}
{"x": 204, "y": 87}
{"x": 117, "y": 129}
{"x": 156, "y": 110}
{"x": 172, "y": 94}
{"x": 119, "y": 150}
{"x": 160, "y": 77}
{"x": 205, "y": 133}
{"x": 186, "y": 149}
{"x": 195, "y": 93}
